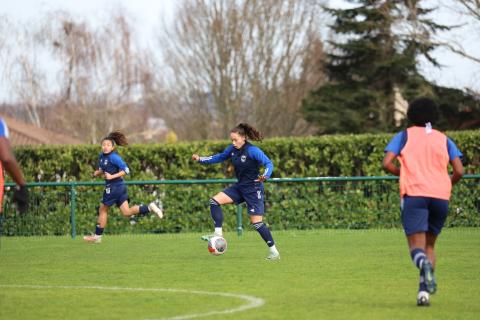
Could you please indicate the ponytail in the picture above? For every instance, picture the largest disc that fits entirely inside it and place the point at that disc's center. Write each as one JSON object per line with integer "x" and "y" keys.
{"x": 246, "y": 130}
{"x": 117, "y": 137}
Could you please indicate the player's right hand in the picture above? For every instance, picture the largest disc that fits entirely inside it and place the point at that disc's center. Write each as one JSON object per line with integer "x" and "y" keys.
{"x": 261, "y": 178}
{"x": 195, "y": 157}
{"x": 20, "y": 197}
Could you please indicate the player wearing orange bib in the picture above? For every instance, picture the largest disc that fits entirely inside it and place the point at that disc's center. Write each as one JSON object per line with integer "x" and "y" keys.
{"x": 425, "y": 186}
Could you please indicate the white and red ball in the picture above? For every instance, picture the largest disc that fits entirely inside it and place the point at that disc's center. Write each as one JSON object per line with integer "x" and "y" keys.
{"x": 217, "y": 245}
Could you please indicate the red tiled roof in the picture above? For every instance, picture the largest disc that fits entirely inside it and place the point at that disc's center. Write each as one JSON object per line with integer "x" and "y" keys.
{"x": 22, "y": 133}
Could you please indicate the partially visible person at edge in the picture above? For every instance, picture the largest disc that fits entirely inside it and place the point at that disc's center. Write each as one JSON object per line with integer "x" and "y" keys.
{"x": 112, "y": 167}
{"x": 425, "y": 186}
{"x": 9, "y": 163}
{"x": 246, "y": 159}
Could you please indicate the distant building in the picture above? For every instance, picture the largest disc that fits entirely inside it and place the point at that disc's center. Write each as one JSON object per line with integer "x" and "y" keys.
{"x": 22, "y": 134}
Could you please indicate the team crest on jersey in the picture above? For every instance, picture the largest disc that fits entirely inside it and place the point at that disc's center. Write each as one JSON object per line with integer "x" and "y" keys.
{"x": 243, "y": 158}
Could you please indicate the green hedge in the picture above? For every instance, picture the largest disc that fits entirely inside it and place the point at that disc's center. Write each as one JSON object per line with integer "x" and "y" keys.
{"x": 289, "y": 205}
{"x": 342, "y": 155}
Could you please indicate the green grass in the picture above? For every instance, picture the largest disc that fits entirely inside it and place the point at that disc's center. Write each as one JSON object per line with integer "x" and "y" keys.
{"x": 323, "y": 274}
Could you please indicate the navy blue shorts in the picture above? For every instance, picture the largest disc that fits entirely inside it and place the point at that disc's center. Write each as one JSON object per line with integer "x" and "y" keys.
{"x": 252, "y": 195}
{"x": 115, "y": 194}
{"x": 423, "y": 214}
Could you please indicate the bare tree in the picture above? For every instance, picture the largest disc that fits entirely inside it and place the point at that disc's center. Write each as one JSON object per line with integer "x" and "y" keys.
{"x": 465, "y": 15}
{"x": 22, "y": 72}
{"x": 4, "y": 26}
{"x": 101, "y": 74}
{"x": 469, "y": 9}
{"x": 4, "y": 52}
{"x": 76, "y": 77}
{"x": 472, "y": 7}
{"x": 249, "y": 60}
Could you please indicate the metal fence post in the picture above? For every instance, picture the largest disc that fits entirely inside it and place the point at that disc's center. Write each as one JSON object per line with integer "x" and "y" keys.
{"x": 73, "y": 195}
{"x": 239, "y": 220}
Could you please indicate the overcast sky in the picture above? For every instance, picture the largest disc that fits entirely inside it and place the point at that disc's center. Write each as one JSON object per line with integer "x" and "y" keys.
{"x": 147, "y": 16}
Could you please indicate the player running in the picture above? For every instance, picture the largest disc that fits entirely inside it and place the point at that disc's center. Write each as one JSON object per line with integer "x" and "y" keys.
{"x": 246, "y": 159}
{"x": 425, "y": 186}
{"x": 113, "y": 168}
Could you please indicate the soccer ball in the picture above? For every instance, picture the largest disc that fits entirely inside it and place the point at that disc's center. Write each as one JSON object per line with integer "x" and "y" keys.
{"x": 217, "y": 245}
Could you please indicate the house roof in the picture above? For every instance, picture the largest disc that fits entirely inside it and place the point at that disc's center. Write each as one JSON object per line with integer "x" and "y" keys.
{"x": 22, "y": 133}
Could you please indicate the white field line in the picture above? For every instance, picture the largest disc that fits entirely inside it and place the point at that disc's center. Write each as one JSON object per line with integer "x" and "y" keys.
{"x": 252, "y": 302}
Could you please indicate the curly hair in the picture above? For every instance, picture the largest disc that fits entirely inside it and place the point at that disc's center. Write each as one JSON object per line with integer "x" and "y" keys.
{"x": 246, "y": 130}
{"x": 117, "y": 137}
{"x": 423, "y": 110}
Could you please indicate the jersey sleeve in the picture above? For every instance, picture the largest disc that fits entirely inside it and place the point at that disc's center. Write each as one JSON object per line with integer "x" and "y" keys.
{"x": 3, "y": 128}
{"x": 453, "y": 151}
{"x": 121, "y": 165}
{"x": 397, "y": 143}
{"x": 257, "y": 154}
{"x": 219, "y": 157}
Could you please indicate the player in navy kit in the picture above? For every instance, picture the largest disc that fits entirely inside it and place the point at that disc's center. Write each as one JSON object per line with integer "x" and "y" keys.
{"x": 246, "y": 159}
{"x": 113, "y": 168}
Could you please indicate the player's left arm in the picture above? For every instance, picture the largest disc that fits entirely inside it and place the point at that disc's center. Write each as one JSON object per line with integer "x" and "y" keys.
{"x": 455, "y": 157}
{"x": 457, "y": 170}
{"x": 257, "y": 154}
{"x": 122, "y": 167}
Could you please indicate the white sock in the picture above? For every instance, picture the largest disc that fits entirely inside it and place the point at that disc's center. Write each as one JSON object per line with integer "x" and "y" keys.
{"x": 273, "y": 249}
{"x": 218, "y": 231}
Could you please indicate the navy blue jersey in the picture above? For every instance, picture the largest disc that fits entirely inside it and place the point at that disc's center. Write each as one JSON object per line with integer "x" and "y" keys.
{"x": 246, "y": 161}
{"x": 112, "y": 163}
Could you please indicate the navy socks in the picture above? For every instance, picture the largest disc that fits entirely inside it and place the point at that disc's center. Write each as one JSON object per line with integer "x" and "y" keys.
{"x": 418, "y": 256}
{"x": 216, "y": 213}
{"x": 143, "y": 210}
{"x": 264, "y": 233}
{"x": 98, "y": 230}
{"x": 422, "y": 285}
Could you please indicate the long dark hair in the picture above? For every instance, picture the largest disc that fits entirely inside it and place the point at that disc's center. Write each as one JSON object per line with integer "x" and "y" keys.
{"x": 246, "y": 130}
{"x": 117, "y": 137}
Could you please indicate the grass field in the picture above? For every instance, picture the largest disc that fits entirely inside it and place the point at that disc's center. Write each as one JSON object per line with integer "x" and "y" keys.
{"x": 323, "y": 274}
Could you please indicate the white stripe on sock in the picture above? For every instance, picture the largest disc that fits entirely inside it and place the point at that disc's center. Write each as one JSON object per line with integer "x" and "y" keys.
{"x": 417, "y": 257}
